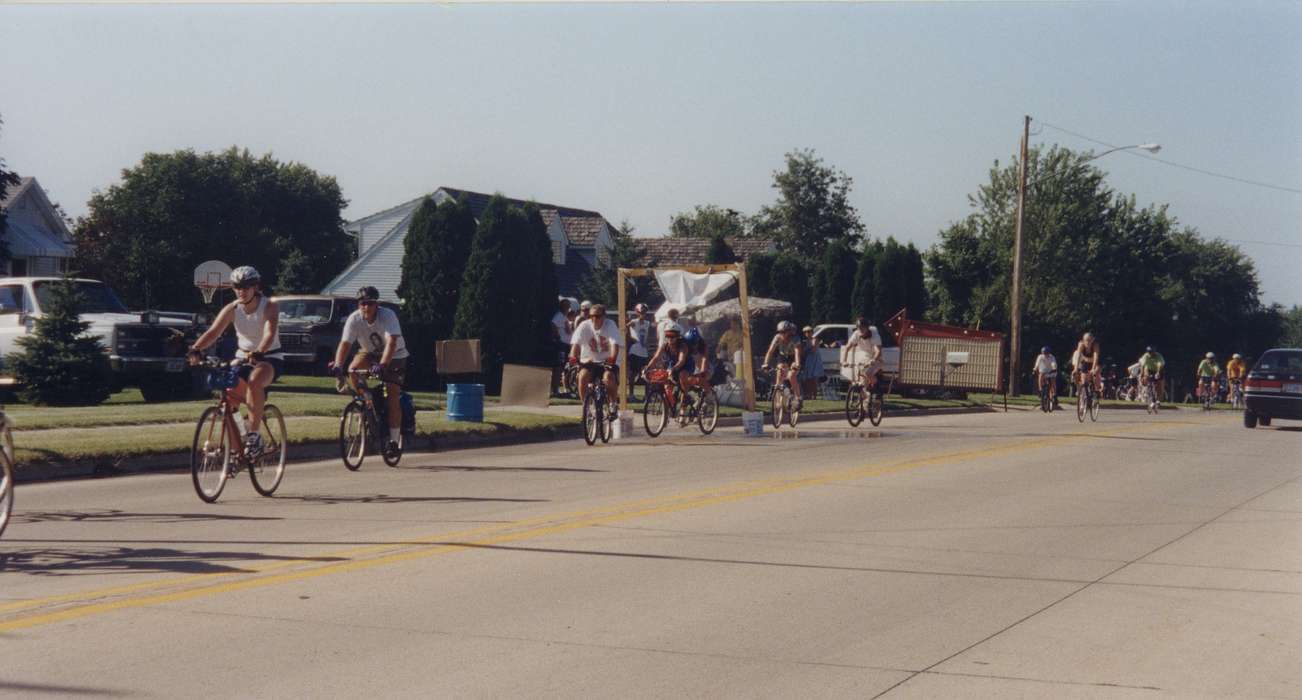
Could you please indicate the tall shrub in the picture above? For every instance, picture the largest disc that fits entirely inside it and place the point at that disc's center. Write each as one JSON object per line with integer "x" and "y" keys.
{"x": 60, "y": 364}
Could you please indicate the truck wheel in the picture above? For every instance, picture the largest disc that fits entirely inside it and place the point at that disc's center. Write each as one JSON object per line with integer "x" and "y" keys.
{"x": 1249, "y": 419}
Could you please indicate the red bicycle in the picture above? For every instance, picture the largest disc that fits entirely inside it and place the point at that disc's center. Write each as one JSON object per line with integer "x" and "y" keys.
{"x": 217, "y": 454}
{"x": 664, "y": 400}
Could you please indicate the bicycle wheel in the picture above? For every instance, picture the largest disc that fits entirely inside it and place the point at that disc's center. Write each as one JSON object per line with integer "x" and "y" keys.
{"x": 779, "y": 413}
{"x": 1082, "y": 401}
{"x": 6, "y": 486}
{"x": 875, "y": 409}
{"x": 570, "y": 379}
{"x": 269, "y": 468}
{"x": 1045, "y": 404}
{"x": 391, "y": 454}
{"x": 605, "y": 419}
{"x": 590, "y": 418}
{"x": 352, "y": 435}
{"x": 1095, "y": 402}
{"x": 210, "y": 455}
{"x": 793, "y": 413}
{"x": 854, "y": 412}
{"x": 655, "y": 416}
{"x": 707, "y": 410}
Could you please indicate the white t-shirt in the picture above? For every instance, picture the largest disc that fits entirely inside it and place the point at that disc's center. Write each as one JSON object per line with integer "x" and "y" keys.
{"x": 562, "y": 325}
{"x": 641, "y": 331}
{"x": 860, "y": 349}
{"x": 598, "y": 345}
{"x": 1044, "y": 364}
{"x": 372, "y": 336}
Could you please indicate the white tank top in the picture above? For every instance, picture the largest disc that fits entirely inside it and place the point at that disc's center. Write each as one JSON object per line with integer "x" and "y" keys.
{"x": 249, "y": 328}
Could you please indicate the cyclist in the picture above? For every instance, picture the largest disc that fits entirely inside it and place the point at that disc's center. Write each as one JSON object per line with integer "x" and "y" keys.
{"x": 671, "y": 319}
{"x": 596, "y": 344}
{"x": 1207, "y": 373}
{"x": 1087, "y": 362}
{"x": 257, "y": 331}
{"x": 1151, "y": 364}
{"x": 382, "y": 349}
{"x": 786, "y": 347}
{"x": 864, "y": 352}
{"x": 695, "y": 369}
{"x": 1235, "y": 370}
{"x": 1046, "y": 373}
{"x": 639, "y": 337}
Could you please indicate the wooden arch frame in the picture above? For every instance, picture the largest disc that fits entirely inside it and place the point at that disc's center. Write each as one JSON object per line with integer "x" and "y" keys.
{"x": 747, "y": 371}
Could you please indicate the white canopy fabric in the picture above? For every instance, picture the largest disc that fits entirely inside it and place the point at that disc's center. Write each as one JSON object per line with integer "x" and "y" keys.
{"x": 686, "y": 291}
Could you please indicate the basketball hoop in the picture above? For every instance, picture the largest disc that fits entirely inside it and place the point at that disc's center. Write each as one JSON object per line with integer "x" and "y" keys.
{"x": 210, "y": 276}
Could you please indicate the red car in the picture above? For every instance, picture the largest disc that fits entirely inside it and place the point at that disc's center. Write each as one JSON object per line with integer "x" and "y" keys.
{"x": 1274, "y": 388}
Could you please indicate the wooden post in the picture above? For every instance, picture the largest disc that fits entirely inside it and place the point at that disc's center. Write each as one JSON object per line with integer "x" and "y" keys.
{"x": 747, "y": 371}
{"x": 623, "y": 346}
{"x": 1015, "y": 344}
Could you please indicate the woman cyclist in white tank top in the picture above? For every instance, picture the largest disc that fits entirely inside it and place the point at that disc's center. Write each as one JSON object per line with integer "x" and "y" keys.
{"x": 257, "y": 330}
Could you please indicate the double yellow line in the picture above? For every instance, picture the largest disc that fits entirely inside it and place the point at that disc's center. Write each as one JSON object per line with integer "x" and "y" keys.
{"x": 106, "y": 600}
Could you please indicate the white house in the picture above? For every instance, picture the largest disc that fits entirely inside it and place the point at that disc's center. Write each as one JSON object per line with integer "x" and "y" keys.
{"x": 580, "y": 239}
{"x": 39, "y": 241}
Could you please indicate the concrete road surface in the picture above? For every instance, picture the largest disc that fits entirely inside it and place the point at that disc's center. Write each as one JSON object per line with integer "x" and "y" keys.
{"x": 990, "y": 555}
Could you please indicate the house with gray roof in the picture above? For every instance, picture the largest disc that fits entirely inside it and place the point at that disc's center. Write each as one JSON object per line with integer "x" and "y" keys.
{"x": 38, "y": 239}
{"x": 670, "y": 251}
{"x": 581, "y": 239}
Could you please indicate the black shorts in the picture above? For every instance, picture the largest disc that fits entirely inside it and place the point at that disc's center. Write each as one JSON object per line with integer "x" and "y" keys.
{"x": 277, "y": 368}
{"x": 599, "y": 368}
{"x": 1085, "y": 367}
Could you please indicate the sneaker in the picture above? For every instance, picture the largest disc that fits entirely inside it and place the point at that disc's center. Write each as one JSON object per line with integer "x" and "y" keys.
{"x": 252, "y": 445}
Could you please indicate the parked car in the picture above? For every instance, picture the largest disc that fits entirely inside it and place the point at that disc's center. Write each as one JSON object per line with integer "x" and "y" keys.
{"x": 831, "y": 337}
{"x": 311, "y": 326}
{"x": 145, "y": 349}
{"x": 1273, "y": 388}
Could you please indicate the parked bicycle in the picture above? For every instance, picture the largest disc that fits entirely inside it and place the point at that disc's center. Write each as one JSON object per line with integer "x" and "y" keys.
{"x": 218, "y": 453}
{"x": 6, "y": 471}
{"x": 364, "y": 422}
{"x": 861, "y": 403}
{"x": 665, "y": 400}
{"x": 1087, "y": 401}
{"x": 598, "y": 414}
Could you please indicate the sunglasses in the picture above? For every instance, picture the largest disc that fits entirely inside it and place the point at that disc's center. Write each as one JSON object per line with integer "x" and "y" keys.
{"x": 246, "y": 285}
{"x": 368, "y": 302}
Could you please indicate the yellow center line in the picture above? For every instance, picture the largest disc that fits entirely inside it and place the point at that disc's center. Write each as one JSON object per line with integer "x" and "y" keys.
{"x": 540, "y": 526}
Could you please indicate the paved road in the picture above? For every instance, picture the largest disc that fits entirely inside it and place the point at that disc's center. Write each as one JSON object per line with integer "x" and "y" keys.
{"x": 989, "y": 555}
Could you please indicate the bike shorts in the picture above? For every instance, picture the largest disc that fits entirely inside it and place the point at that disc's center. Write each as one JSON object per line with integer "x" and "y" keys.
{"x": 787, "y": 360}
{"x": 599, "y": 369}
{"x": 1049, "y": 375}
{"x": 277, "y": 368}
{"x": 1085, "y": 367}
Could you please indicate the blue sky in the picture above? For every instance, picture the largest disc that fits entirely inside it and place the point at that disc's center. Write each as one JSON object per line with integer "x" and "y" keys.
{"x": 642, "y": 111}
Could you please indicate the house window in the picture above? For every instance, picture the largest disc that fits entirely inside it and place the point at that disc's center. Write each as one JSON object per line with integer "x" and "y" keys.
{"x": 558, "y": 253}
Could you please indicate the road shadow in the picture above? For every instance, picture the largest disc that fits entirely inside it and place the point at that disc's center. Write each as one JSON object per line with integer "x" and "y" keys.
{"x": 385, "y": 498}
{"x": 114, "y": 515}
{"x": 17, "y": 688}
{"x": 458, "y": 468}
{"x": 72, "y": 561}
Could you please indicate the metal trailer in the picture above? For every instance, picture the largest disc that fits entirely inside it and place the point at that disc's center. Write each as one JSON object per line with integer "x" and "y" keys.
{"x": 937, "y": 356}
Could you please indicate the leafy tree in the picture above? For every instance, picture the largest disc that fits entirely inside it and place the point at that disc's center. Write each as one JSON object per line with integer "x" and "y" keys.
{"x": 719, "y": 252}
{"x": 864, "y": 292}
{"x": 599, "y": 286}
{"x": 1292, "y": 330}
{"x": 834, "y": 284}
{"x": 174, "y": 210}
{"x": 707, "y": 221}
{"x": 8, "y": 179}
{"x": 60, "y": 364}
{"x": 813, "y": 208}
{"x": 295, "y": 275}
{"x": 759, "y": 274}
{"x": 789, "y": 281}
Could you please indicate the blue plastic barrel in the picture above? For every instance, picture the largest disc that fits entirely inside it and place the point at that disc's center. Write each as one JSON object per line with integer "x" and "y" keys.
{"x": 466, "y": 403}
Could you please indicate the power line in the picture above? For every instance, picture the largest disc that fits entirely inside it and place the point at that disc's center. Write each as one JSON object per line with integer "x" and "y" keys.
{"x": 1191, "y": 168}
{"x": 1283, "y": 245}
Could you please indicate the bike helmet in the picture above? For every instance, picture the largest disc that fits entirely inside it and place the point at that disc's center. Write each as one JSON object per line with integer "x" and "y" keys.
{"x": 368, "y": 293}
{"x": 692, "y": 336}
{"x": 640, "y": 308}
{"x": 786, "y": 327}
{"x": 585, "y": 305}
{"x": 1211, "y": 356}
{"x": 1237, "y": 356}
{"x": 244, "y": 276}
{"x": 1148, "y": 349}
{"x": 1045, "y": 350}
{"x": 673, "y": 328}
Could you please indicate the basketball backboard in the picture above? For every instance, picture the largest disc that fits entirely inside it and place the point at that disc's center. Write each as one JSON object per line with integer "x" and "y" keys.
{"x": 211, "y": 275}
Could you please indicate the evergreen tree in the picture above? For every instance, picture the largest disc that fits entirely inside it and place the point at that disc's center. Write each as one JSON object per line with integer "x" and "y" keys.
{"x": 60, "y": 364}
{"x": 861, "y": 299}
{"x": 599, "y": 284}
{"x": 789, "y": 281}
{"x": 915, "y": 285}
{"x": 834, "y": 284}
{"x": 486, "y": 294}
{"x": 759, "y": 274}
{"x": 720, "y": 251}
{"x": 889, "y": 280}
{"x": 8, "y": 179}
{"x": 436, "y": 248}
{"x": 542, "y": 289}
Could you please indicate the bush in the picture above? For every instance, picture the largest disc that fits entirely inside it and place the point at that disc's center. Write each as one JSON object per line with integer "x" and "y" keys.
{"x": 60, "y": 364}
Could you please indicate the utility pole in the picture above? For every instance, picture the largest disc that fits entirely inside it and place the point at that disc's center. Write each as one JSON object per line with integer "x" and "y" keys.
{"x": 1015, "y": 337}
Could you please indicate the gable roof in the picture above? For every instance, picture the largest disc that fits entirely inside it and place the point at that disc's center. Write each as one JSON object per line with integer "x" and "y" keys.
{"x": 42, "y": 233}
{"x": 14, "y": 193}
{"x": 692, "y": 251}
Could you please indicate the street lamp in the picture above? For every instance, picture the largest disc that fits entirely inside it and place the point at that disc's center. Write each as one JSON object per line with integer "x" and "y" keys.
{"x": 1015, "y": 335}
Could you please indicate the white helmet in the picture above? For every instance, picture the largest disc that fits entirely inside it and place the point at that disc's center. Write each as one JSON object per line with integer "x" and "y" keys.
{"x": 243, "y": 275}
{"x": 673, "y": 328}
{"x": 584, "y": 305}
{"x": 786, "y": 326}
{"x": 1237, "y": 356}
{"x": 1211, "y": 355}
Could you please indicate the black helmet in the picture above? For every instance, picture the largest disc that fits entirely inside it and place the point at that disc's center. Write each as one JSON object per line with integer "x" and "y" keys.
{"x": 368, "y": 293}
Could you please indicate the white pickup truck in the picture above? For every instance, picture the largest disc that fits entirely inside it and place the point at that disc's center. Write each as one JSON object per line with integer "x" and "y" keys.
{"x": 832, "y": 337}
{"x": 144, "y": 349}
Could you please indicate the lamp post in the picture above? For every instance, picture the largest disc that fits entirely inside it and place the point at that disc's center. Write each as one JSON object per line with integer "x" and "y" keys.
{"x": 1015, "y": 330}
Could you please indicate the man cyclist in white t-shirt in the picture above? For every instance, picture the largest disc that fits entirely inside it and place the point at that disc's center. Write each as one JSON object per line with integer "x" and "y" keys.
{"x": 595, "y": 345}
{"x": 863, "y": 351}
{"x": 257, "y": 331}
{"x": 1046, "y": 372}
{"x": 382, "y": 349}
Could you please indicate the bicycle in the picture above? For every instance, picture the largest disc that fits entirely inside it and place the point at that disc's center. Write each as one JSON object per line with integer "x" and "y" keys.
{"x": 570, "y": 379}
{"x": 860, "y": 403}
{"x": 1148, "y": 394}
{"x": 1046, "y": 399}
{"x": 1236, "y": 395}
{"x": 217, "y": 453}
{"x": 364, "y": 422}
{"x": 1087, "y": 401}
{"x": 665, "y": 400}
{"x": 1207, "y": 393}
{"x": 6, "y": 471}
{"x": 785, "y": 406}
{"x": 598, "y": 417}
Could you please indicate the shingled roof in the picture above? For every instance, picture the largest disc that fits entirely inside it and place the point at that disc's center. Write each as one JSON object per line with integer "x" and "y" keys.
{"x": 692, "y": 251}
